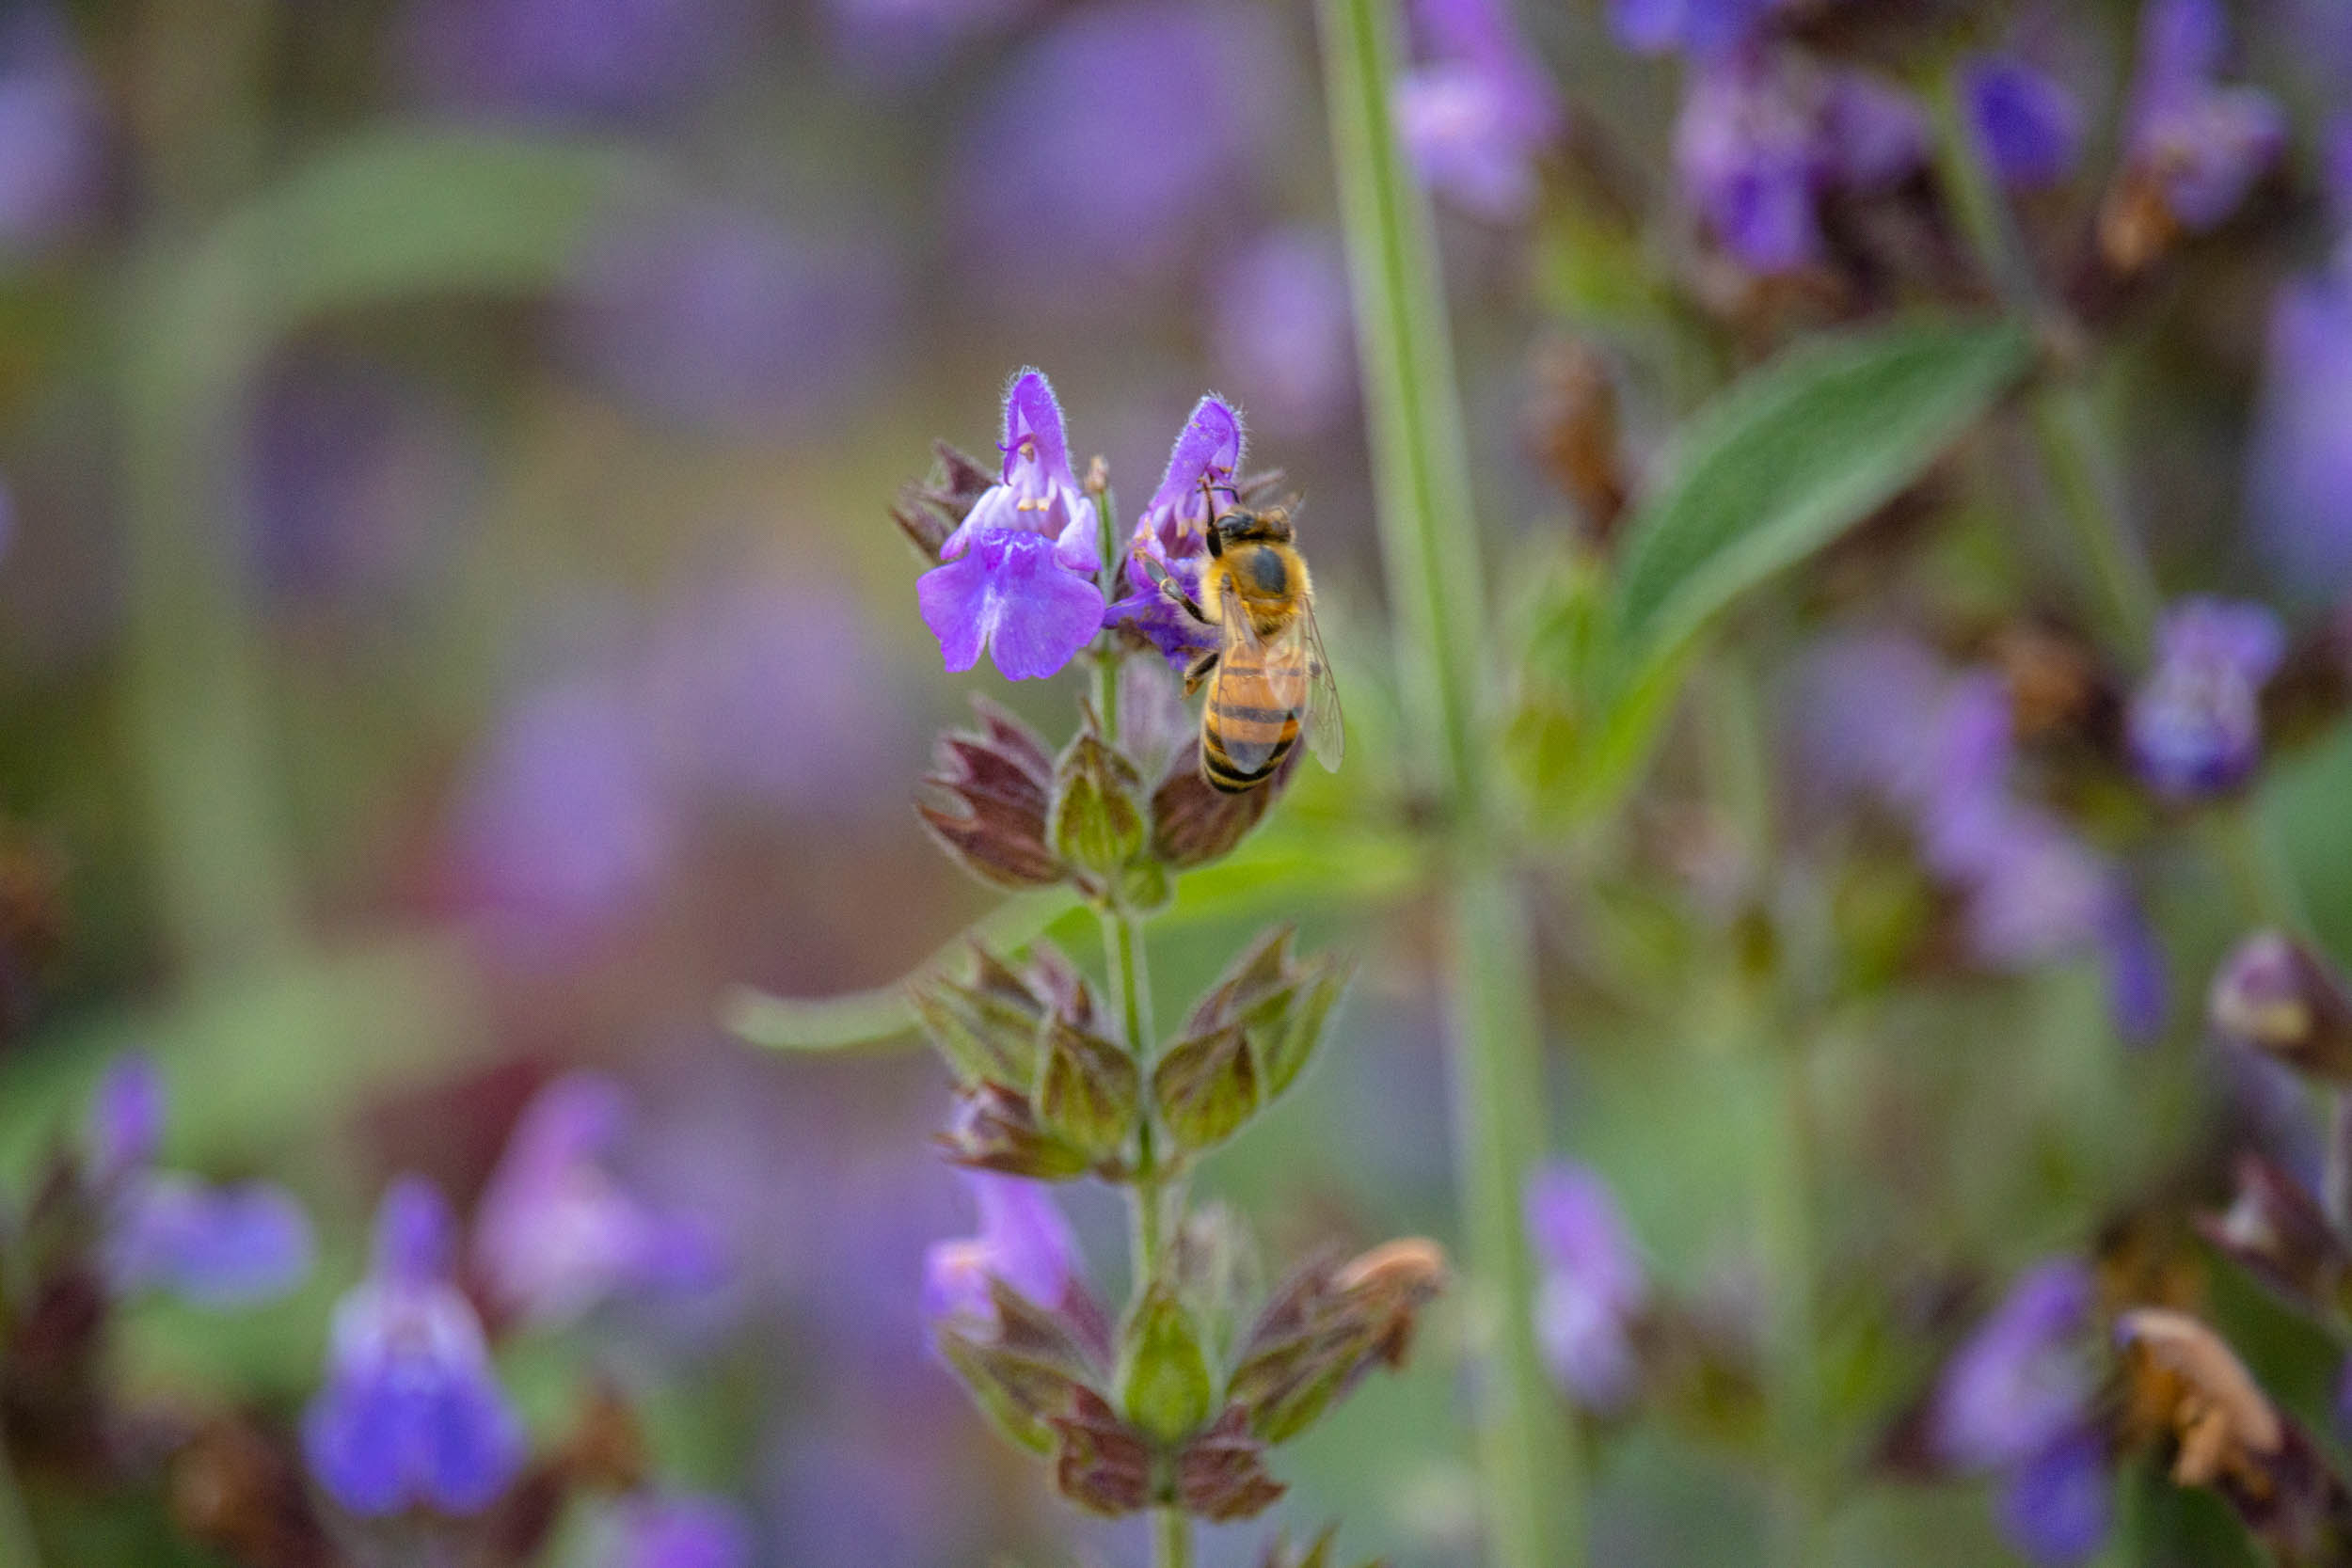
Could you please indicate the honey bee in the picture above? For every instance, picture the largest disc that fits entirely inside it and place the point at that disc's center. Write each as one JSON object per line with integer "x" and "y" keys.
{"x": 1268, "y": 676}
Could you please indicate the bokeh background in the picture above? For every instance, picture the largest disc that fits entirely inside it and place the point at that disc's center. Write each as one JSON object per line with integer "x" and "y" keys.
{"x": 434, "y": 657}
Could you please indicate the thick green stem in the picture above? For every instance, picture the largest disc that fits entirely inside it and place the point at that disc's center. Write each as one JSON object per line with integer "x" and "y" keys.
{"x": 1429, "y": 542}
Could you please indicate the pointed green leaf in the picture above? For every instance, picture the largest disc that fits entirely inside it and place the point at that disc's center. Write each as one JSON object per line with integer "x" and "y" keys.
{"x": 1791, "y": 456}
{"x": 1207, "y": 1087}
{"x": 1087, "y": 1090}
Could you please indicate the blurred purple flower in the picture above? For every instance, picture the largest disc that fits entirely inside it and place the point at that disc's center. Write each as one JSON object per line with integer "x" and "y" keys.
{"x": 1022, "y": 1240}
{"x": 1115, "y": 147}
{"x": 1593, "y": 1286}
{"x": 1018, "y": 577}
{"x": 716, "y": 317}
{"x": 2194, "y": 724}
{"x": 1281, "y": 332}
{"x": 1764, "y": 136}
{"x": 573, "y": 60}
{"x": 354, "y": 477}
{"x": 1480, "y": 109}
{"x": 218, "y": 1246}
{"x": 556, "y": 1234}
{"x": 1173, "y": 530}
{"x": 1700, "y": 28}
{"x": 2017, "y": 1400}
{"x": 2027, "y": 123}
{"x": 565, "y": 824}
{"x": 412, "y": 1414}
{"x": 53, "y": 133}
{"x": 673, "y": 1530}
{"x": 2299, "y": 469}
{"x": 2205, "y": 144}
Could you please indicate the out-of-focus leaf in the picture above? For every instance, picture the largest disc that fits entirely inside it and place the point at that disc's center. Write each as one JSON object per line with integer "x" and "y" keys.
{"x": 1791, "y": 456}
{"x": 884, "y": 1014}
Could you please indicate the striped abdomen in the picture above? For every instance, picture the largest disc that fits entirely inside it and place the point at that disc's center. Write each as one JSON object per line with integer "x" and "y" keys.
{"x": 1250, "y": 721}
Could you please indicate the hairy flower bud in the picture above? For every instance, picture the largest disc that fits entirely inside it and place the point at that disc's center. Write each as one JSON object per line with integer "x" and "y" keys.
{"x": 1220, "y": 1474}
{"x": 1028, "y": 1368}
{"x": 1327, "y": 1326}
{"x": 995, "y": 1130}
{"x": 2274, "y": 1229}
{"x": 2273, "y": 995}
{"x": 1096, "y": 820}
{"x": 1247, "y": 1041}
{"x": 987, "y": 1029}
{"x": 987, "y": 798}
{"x": 1193, "y": 823}
{"x": 1099, "y": 1462}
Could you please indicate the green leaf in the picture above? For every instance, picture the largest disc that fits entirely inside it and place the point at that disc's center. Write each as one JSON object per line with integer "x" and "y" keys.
{"x": 1088, "y": 1089}
{"x": 1167, "y": 1384}
{"x": 1207, "y": 1087}
{"x": 1789, "y": 457}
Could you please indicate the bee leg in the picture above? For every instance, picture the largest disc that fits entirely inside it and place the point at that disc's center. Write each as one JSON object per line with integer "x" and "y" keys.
{"x": 1165, "y": 582}
{"x": 1200, "y": 672}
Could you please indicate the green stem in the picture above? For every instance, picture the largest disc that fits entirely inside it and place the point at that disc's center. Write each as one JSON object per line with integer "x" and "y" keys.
{"x": 1532, "y": 1483}
{"x": 1149, "y": 1193}
{"x": 2065, "y": 428}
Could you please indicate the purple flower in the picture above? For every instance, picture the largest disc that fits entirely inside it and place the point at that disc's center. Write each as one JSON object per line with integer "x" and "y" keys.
{"x": 1281, "y": 332}
{"x": 715, "y": 317}
{"x": 2028, "y": 125}
{"x": 1481, "y": 110}
{"x": 1764, "y": 136}
{"x": 556, "y": 1233}
{"x": 1173, "y": 530}
{"x": 1114, "y": 148}
{"x": 1700, "y": 28}
{"x": 1019, "y": 573}
{"x": 565, "y": 824}
{"x": 2017, "y": 1400}
{"x": 2194, "y": 724}
{"x": 2299, "y": 469}
{"x": 1023, "y": 1241}
{"x": 1593, "y": 1286}
{"x": 571, "y": 59}
{"x": 53, "y": 135}
{"x": 217, "y": 1246}
{"x": 2204, "y": 145}
{"x": 412, "y": 1416}
{"x": 674, "y": 1530}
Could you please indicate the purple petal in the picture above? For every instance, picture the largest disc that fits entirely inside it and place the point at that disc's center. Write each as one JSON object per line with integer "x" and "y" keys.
{"x": 126, "y": 1116}
{"x": 1593, "y": 1284}
{"x": 1033, "y": 414}
{"x": 2137, "y": 987}
{"x": 1456, "y": 128}
{"x": 2058, "y": 1505}
{"x": 2019, "y": 1382}
{"x": 1749, "y": 158}
{"x": 220, "y": 1247}
{"x": 1282, "y": 331}
{"x": 2299, "y": 470}
{"x": 2194, "y": 724}
{"x": 1010, "y": 595}
{"x": 1209, "y": 447}
{"x": 415, "y": 1233}
{"x": 2030, "y": 126}
{"x": 1873, "y": 135}
{"x": 1024, "y": 1240}
{"x": 669, "y": 1530}
{"x": 1649, "y": 26}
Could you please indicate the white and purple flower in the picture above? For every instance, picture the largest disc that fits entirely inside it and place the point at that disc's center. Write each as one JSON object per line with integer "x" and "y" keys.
{"x": 412, "y": 1416}
{"x": 557, "y": 1233}
{"x": 2203, "y": 144}
{"x": 2194, "y": 724}
{"x": 220, "y": 1246}
{"x": 1017, "y": 575}
{"x": 1173, "y": 532}
{"x": 2028, "y": 125}
{"x": 2016, "y": 1401}
{"x": 1480, "y": 110}
{"x": 1592, "y": 1287}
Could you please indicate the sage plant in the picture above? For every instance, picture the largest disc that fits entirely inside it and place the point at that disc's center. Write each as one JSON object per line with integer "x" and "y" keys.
{"x": 1172, "y": 1404}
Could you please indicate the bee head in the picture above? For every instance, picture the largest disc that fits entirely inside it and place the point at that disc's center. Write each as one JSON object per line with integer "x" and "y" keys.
{"x": 1242, "y": 526}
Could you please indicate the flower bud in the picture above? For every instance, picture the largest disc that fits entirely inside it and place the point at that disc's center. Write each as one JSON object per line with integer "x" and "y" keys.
{"x": 1028, "y": 1368}
{"x": 1327, "y": 1326}
{"x": 927, "y": 513}
{"x": 995, "y": 1130}
{"x": 1206, "y": 1087}
{"x": 1246, "y": 1041}
{"x": 988, "y": 1029}
{"x": 1220, "y": 1474}
{"x": 1164, "y": 1380}
{"x": 987, "y": 798}
{"x": 1096, "y": 822}
{"x": 1087, "y": 1090}
{"x": 2272, "y": 996}
{"x": 2276, "y": 1233}
{"x": 1193, "y": 824}
{"x": 1099, "y": 1462}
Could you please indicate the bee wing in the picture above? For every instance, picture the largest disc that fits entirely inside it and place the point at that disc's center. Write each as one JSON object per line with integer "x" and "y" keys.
{"x": 1326, "y": 733}
{"x": 1261, "y": 684}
